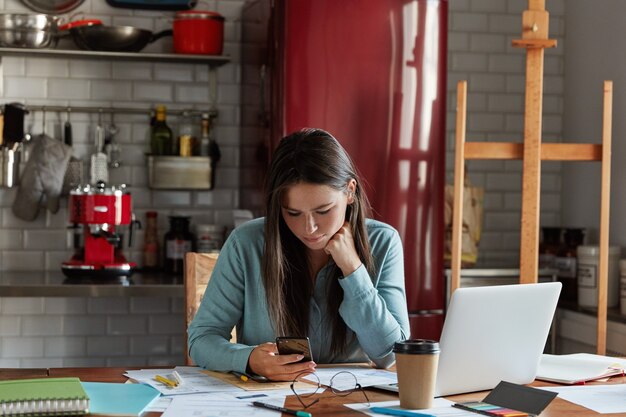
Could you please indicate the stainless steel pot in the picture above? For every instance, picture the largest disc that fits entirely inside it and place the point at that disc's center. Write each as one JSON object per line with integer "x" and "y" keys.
{"x": 22, "y": 30}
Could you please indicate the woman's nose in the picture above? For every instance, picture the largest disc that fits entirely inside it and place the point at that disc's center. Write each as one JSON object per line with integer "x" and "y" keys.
{"x": 311, "y": 224}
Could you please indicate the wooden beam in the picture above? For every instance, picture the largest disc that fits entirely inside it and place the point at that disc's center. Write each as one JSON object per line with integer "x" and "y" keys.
{"x": 493, "y": 150}
{"x": 529, "y": 239}
{"x": 536, "y": 4}
{"x": 605, "y": 203}
{"x": 459, "y": 183}
{"x": 549, "y": 151}
{"x": 534, "y": 43}
{"x": 571, "y": 152}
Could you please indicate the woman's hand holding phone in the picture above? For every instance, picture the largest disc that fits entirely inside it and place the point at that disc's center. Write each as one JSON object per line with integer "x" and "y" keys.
{"x": 341, "y": 248}
{"x": 265, "y": 360}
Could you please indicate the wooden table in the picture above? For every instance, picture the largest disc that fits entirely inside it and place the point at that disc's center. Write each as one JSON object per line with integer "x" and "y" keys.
{"x": 329, "y": 404}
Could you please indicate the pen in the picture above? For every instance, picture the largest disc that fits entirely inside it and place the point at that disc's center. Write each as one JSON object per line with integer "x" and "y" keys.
{"x": 396, "y": 412}
{"x": 246, "y": 377}
{"x": 241, "y": 376}
{"x": 168, "y": 382}
{"x": 281, "y": 409}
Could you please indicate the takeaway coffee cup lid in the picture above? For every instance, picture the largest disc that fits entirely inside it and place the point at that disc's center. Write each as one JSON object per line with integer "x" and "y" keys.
{"x": 416, "y": 346}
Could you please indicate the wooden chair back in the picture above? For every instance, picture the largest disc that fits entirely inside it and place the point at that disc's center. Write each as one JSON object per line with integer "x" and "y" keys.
{"x": 198, "y": 270}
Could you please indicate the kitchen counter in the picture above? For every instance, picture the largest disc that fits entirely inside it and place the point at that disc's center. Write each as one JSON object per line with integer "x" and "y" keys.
{"x": 55, "y": 284}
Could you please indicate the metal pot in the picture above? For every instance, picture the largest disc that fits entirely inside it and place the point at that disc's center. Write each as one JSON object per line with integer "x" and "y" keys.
{"x": 52, "y": 6}
{"x": 198, "y": 32}
{"x": 114, "y": 38}
{"x": 20, "y": 30}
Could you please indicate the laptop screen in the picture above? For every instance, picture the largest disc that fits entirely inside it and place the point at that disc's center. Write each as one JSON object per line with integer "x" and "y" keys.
{"x": 494, "y": 333}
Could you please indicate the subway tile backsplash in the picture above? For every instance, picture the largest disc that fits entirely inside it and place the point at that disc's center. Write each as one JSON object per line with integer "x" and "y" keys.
{"x": 112, "y": 331}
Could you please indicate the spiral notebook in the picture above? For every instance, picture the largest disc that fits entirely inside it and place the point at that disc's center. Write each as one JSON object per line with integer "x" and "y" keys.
{"x": 49, "y": 396}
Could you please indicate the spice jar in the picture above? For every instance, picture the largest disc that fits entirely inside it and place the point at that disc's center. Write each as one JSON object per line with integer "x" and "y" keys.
{"x": 549, "y": 246}
{"x": 210, "y": 238}
{"x": 151, "y": 242}
{"x": 566, "y": 262}
{"x": 178, "y": 241}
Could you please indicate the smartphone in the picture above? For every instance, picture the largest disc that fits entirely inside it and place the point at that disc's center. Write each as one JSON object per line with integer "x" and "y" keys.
{"x": 290, "y": 345}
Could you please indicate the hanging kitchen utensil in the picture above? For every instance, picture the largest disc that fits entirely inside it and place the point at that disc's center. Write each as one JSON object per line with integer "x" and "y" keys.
{"x": 13, "y": 123}
{"x": 112, "y": 147}
{"x": 67, "y": 130}
{"x": 99, "y": 169}
{"x": 154, "y": 4}
{"x": 114, "y": 38}
{"x": 52, "y": 6}
{"x": 74, "y": 173}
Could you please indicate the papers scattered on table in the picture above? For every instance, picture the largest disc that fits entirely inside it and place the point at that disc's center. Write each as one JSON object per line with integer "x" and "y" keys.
{"x": 603, "y": 399}
{"x": 578, "y": 368}
{"x": 193, "y": 381}
{"x": 365, "y": 376}
{"x": 221, "y": 405}
{"x": 441, "y": 408}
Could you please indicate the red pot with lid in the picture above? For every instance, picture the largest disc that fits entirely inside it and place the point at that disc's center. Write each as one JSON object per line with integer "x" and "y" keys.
{"x": 198, "y": 32}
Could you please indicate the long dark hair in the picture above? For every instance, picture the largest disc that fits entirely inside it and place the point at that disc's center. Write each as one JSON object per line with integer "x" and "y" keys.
{"x": 308, "y": 156}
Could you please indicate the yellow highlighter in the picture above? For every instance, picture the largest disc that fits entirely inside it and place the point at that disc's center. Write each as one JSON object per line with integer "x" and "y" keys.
{"x": 168, "y": 382}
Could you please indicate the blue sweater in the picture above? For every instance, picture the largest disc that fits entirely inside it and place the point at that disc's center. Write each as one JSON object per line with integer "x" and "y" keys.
{"x": 373, "y": 308}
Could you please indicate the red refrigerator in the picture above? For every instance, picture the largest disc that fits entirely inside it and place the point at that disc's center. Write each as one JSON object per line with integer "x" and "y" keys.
{"x": 373, "y": 73}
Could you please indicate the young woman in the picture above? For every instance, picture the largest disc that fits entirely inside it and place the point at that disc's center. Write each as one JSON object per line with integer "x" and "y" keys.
{"x": 315, "y": 266}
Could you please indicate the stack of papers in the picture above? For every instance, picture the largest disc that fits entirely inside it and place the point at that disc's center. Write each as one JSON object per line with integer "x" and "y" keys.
{"x": 578, "y": 368}
{"x": 194, "y": 381}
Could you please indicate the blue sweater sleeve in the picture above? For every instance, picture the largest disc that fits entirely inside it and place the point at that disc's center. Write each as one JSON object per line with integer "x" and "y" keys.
{"x": 375, "y": 309}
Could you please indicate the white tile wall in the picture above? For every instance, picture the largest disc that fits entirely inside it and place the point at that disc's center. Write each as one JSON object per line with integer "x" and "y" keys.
{"x": 480, "y": 51}
{"x": 112, "y": 331}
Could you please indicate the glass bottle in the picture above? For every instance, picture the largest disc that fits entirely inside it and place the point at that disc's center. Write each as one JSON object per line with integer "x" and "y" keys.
{"x": 566, "y": 262}
{"x": 214, "y": 153}
{"x": 151, "y": 242}
{"x": 186, "y": 137}
{"x": 161, "y": 138}
{"x": 204, "y": 138}
{"x": 178, "y": 241}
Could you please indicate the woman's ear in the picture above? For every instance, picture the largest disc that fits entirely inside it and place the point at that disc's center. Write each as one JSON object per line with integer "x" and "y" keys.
{"x": 351, "y": 190}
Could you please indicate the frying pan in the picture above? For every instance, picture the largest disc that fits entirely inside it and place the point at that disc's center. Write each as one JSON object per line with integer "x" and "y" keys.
{"x": 114, "y": 38}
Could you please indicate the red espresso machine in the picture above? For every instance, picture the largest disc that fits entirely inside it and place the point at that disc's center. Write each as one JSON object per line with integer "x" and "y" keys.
{"x": 100, "y": 211}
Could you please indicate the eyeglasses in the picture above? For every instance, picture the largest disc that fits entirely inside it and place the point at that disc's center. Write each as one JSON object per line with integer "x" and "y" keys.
{"x": 342, "y": 384}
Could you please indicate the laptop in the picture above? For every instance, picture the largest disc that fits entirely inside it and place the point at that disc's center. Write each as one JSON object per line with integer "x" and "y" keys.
{"x": 492, "y": 334}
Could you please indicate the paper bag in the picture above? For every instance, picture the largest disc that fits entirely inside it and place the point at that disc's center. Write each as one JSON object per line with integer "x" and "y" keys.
{"x": 472, "y": 223}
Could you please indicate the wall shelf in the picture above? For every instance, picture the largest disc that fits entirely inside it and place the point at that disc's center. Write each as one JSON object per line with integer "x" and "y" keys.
{"x": 211, "y": 60}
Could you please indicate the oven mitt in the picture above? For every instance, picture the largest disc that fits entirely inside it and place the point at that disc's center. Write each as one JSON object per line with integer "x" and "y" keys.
{"x": 42, "y": 179}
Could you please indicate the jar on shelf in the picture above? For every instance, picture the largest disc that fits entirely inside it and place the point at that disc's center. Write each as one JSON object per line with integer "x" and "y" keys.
{"x": 549, "y": 246}
{"x": 151, "y": 242}
{"x": 566, "y": 262}
{"x": 210, "y": 238}
{"x": 178, "y": 241}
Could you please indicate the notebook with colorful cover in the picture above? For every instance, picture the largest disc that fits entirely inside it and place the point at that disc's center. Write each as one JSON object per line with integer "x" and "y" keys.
{"x": 49, "y": 396}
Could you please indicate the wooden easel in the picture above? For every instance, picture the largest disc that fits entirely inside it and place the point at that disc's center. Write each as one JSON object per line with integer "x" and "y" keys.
{"x": 532, "y": 152}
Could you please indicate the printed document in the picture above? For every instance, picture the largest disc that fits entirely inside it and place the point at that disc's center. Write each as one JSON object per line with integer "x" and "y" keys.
{"x": 603, "y": 399}
{"x": 365, "y": 376}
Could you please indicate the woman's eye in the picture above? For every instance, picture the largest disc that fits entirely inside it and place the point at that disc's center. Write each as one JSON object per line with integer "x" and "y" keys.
{"x": 323, "y": 211}
{"x": 293, "y": 214}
